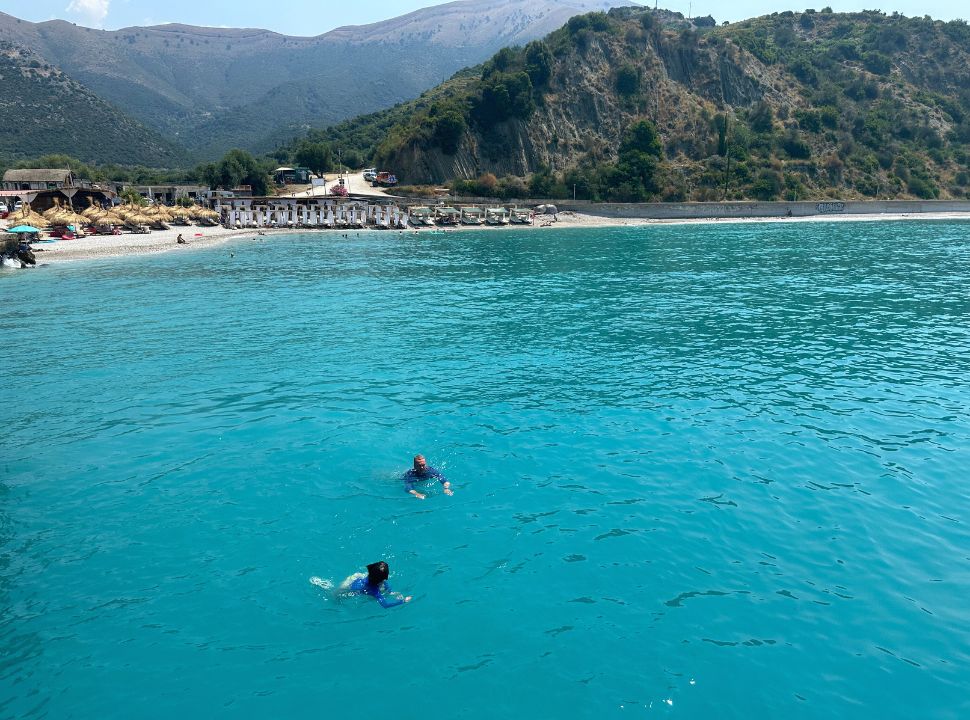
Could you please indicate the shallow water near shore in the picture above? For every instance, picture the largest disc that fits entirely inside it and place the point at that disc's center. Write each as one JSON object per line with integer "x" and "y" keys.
{"x": 700, "y": 471}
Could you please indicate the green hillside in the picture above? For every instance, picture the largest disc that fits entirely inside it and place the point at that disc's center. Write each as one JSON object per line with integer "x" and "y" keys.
{"x": 213, "y": 89}
{"x": 43, "y": 112}
{"x": 788, "y": 106}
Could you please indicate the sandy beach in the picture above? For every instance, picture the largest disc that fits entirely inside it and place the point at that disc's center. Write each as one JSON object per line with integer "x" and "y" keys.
{"x": 162, "y": 241}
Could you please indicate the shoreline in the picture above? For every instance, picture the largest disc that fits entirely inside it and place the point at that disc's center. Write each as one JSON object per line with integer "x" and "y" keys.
{"x": 163, "y": 241}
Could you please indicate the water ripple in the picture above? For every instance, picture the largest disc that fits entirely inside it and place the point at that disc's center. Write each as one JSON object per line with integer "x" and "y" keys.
{"x": 723, "y": 462}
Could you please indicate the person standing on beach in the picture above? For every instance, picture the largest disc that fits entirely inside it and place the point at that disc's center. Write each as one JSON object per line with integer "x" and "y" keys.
{"x": 420, "y": 472}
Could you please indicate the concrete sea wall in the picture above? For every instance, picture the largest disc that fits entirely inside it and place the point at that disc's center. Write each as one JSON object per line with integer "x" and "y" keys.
{"x": 700, "y": 211}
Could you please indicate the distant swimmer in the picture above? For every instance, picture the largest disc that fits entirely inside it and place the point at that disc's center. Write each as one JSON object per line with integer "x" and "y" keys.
{"x": 420, "y": 472}
{"x": 374, "y": 583}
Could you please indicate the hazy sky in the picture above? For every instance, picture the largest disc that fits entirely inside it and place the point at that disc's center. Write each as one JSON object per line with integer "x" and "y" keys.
{"x": 313, "y": 17}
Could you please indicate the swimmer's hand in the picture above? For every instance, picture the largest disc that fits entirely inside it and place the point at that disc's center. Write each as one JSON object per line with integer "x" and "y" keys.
{"x": 407, "y": 599}
{"x": 447, "y": 487}
{"x": 418, "y": 495}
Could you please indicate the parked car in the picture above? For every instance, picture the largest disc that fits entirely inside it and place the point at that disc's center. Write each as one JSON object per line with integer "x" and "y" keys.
{"x": 384, "y": 179}
{"x": 3, "y": 207}
{"x": 370, "y": 174}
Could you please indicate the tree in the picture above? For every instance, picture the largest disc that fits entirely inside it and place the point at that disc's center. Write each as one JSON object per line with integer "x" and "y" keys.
{"x": 132, "y": 196}
{"x": 540, "y": 184}
{"x": 642, "y": 137}
{"x": 237, "y": 167}
{"x": 448, "y": 129}
{"x": 538, "y": 63}
{"x": 503, "y": 60}
{"x": 316, "y": 156}
{"x": 504, "y": 95}
{"x": 636, "y": 175}
{"x": 721, "y": 125}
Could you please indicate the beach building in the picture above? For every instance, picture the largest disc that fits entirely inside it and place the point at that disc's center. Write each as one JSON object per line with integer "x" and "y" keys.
{"x": 38, "y": 179}
{"x": 170, "y": 194}
{"x": 42, "y": 188}
{"x": 292, "y": 176}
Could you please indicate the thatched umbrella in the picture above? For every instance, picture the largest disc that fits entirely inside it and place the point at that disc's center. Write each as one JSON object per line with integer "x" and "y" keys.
{"x": 181, "y": 216}
{"x": 26, "y": 216}
{"x": 76, "y": 220}
{"x": 127, "y": 211}
{"x": 52, "y": 212}
{"x": 162, "y": 212}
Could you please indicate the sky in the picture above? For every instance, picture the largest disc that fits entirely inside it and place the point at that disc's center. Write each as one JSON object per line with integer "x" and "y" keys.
{"x": 313, "y": 17}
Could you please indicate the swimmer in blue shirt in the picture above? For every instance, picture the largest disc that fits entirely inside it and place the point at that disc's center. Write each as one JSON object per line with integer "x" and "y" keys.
{"x": 423, "y": 471}
{"x": 374, "y": 583}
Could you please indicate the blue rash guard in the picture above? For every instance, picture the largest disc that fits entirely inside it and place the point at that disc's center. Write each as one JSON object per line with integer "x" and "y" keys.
{"x": 362, "y": 587}
{"x": 412, "y": 477}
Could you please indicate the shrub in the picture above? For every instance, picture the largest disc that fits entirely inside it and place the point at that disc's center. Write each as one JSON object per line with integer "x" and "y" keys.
{"x": 761, "y": 118}
{"x": 795, "y": 146}
{"x": 810, "y": 120}
{"x": 921, "y": 187}
{"x": 768, "y": 185}
{"x": 877, "y": 63}
{"x": 627, "y": 81}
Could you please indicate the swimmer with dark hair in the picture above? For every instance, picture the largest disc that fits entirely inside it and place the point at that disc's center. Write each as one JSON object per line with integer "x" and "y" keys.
{"x": 374, "y": 583}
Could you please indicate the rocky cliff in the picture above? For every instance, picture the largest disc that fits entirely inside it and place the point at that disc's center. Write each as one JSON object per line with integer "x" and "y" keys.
{"x": 789, "y": 105}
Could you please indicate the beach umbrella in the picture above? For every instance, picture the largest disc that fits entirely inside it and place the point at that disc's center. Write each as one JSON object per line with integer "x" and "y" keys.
{"x": 29, "y": 217}
{"x": 23, "y": 229}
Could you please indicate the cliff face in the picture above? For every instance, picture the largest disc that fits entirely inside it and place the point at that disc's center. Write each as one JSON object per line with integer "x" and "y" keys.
{"x": 869, "y": 104}
{"x": 580, "y": 114}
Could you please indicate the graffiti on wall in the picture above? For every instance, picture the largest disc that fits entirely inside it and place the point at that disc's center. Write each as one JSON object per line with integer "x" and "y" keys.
{"x": 830, "y": 207}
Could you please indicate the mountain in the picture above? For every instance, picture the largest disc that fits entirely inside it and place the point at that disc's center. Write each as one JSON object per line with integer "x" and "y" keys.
{"x": 45, "y": 112}
{"x": 637, "y": 104}
{"x": 212, "y": 89}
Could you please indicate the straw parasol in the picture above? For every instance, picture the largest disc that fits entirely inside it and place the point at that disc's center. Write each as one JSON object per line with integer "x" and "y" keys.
{"x": 26, "y": 216}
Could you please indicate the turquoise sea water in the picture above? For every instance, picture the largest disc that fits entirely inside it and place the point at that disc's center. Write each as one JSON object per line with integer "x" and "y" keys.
{"x": 700, "y": 472}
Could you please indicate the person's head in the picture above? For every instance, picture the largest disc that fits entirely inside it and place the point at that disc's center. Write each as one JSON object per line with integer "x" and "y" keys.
{"x": 377, "y": 572}
{"x": 420, "y": 464}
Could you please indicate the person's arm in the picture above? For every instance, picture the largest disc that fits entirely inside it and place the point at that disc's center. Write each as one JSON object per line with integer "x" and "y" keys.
{"x": 387, "y": 602}
{"x": 409, "y": 479}
{"x": 444, "y": 482}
